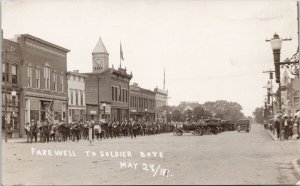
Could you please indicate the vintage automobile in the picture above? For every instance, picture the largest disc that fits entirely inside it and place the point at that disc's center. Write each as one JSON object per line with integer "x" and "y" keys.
{"x": 243, "y": 125}
{"x": 202, "y": 127}
{"x": 228, "y": 125}
{"x": 188, "y": 127}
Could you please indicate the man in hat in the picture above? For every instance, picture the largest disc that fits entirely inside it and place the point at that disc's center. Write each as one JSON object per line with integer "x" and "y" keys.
{"x": 277, "y": 125}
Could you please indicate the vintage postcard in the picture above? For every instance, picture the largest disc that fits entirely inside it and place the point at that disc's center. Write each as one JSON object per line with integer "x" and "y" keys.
{"x": 150, "y": 92}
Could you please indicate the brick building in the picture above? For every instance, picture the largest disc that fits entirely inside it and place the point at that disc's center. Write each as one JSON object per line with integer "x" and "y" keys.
{"x": 107, "y": 89}
{"x": 142, "y": 103}
{"x": 43, "y": 79}
{"x": 76, "y": 94}
{"x": 11, "y": 81}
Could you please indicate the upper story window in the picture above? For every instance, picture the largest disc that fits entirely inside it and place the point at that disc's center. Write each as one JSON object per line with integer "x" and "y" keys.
{"x": 38, "y": 77}
{"x": 55, "y": 81}
{"x": 29, "y": 76}
{"x": 81, "y": 97}
{"x": 14, "y": 74}
{"x": 62, "y": 83}
{"x": 47, "y": 77}
{"x": 4, "y": 72}
{"x": 112, "y": 93}
{"x": 71, "y": 97}
{"x": 76, "y": 97}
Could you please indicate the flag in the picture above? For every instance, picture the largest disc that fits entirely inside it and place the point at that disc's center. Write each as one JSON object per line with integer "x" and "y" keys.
{"x": 49, "y": 113}
{"x": 121, "y": 52}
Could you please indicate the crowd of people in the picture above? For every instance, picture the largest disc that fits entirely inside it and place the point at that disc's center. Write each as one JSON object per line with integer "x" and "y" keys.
{"x": 91, "y": 130}
{"x": 285, "y": 127}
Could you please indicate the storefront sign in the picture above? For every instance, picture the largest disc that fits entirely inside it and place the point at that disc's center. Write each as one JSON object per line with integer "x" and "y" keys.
{"x": 93, "y": 112}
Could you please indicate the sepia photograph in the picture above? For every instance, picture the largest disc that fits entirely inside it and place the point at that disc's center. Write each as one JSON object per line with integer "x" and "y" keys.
{"x": 150, "y": 92}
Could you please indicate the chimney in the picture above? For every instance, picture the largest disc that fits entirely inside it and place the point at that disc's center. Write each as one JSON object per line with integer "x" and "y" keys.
{"x": 76, "y": 71}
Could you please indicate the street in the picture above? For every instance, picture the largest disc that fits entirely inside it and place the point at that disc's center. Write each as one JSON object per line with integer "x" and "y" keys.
{"x": 226, "y": 158}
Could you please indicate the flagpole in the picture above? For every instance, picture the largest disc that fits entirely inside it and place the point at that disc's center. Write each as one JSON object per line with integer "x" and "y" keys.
{"x": 120, "y": 54}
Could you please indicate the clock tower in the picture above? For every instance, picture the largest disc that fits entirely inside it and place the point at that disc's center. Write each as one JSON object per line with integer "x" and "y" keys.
{"x": 100, "y": 57}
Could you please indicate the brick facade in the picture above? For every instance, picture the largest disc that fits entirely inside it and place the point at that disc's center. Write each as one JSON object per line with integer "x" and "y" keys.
{"x": 44, "y": 78}
{"x": 11, "y": 81}
{"x": 106, "y": 95}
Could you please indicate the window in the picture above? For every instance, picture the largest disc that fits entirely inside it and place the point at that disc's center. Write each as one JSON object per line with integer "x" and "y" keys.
{"x": 38, "y": 78}
{"x": 14, "y": 74}
{"x": 29, "y": 76}
{"x": 55, "y": 81}
{"x": 76, "y": 97}
{"x": 4, "y": 72}
{"x": 62, "y": 83}
{"x": 116, "y": 94}
{"x": 112, "y": 93}
{"x": 71, "y": 97}
{"x": 47, "y": 77}
{"x": 81, "y": 97}
{"x": 123, "y": 95}
{"x": 126, "y": 96}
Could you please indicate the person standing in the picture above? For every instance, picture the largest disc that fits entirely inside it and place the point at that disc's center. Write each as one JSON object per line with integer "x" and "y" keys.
{"x": 33, "y": 131}
{"x": 27, "y": 131}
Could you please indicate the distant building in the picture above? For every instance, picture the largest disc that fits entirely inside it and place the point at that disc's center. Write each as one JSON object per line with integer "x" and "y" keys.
{"x": 142, "y": 103}
{"x": 11, "y": 81}
{"x": 107, "y": 89}
{"x": 76, "y": 94}
{"x": 44, "y": 67}
{"x": 188, "y": 105}
{"x": 161, "y": 103}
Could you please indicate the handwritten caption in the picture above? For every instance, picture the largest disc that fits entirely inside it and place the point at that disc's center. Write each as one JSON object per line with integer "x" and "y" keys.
{"x": 154, "y": 169}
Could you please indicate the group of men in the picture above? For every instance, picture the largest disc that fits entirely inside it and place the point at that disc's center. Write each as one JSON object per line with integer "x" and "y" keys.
{"x": 286, "y": 127}
{"x": 105, "y": 130}
{"x": 100, "y": 130}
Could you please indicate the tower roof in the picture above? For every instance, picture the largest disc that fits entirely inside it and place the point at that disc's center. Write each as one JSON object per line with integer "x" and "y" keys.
{"x": 100, "y": 48}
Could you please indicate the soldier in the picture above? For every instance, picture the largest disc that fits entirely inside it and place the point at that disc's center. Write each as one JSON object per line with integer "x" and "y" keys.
{"x": 110, "y": 127}
{"x": 115, "y": 129}
{"x": 134, "y": 126}
{"x": 33, "y": 130}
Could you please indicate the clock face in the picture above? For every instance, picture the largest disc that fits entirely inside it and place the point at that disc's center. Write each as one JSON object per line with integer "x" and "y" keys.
{"x": 98, "y": 61}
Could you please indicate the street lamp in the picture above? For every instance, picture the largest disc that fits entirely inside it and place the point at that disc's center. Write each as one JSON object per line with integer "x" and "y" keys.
{"x": 276, "y": 42}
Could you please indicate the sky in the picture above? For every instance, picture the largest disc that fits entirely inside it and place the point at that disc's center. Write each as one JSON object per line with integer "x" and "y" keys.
{"x": 210, "y": 50}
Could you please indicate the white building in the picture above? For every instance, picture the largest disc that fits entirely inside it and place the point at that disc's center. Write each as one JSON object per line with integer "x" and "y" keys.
{"x": 161, "y": 102}
{"x": 76, "y": 95}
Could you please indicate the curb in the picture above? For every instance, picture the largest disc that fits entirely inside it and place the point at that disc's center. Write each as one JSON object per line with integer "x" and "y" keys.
{"x": 296, "y": 166}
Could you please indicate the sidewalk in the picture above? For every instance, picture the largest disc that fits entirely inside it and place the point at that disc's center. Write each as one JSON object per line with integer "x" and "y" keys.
{"x": 274, "y": 137}
{"x": 295, "y": 162}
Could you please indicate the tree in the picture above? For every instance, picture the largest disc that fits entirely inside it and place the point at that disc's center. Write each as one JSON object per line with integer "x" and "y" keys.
{"x": 177, "y": 115}
{"x": 259, "y": 115}
{"x": 225, "y": 110}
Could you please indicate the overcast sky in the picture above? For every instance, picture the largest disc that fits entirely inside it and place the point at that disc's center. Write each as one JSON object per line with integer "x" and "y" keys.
{"x": 211, "y": 50}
